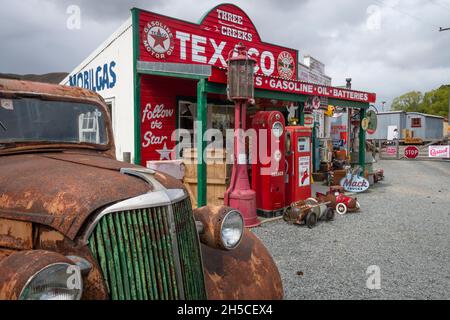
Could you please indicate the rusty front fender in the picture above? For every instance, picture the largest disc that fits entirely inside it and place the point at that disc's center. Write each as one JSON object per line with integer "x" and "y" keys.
{"x": 246, "y": 273}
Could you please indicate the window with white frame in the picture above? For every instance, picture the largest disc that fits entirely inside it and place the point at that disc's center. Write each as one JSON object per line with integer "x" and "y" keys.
{"x": 88, "y": 124}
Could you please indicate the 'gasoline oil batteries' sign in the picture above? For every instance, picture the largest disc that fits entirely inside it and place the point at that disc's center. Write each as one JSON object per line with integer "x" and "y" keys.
{"x": 169, "y": 40}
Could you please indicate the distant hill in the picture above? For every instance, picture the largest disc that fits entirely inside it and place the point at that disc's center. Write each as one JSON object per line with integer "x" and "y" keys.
{"x": 55, "y": 77}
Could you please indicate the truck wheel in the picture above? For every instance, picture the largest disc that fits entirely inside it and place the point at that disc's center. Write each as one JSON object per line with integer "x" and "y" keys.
{"x": 311, "y": 220}
{"x": 330, "y": 214}
{"x": 341, "y": 208}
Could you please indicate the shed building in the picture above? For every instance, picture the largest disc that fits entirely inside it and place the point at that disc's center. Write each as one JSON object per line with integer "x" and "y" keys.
{"x": 420, "y": 125}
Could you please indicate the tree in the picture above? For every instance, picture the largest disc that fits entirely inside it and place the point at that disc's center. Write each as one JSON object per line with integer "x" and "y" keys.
{"x": 410, "y": 101}
{"x": 435, "y": 102}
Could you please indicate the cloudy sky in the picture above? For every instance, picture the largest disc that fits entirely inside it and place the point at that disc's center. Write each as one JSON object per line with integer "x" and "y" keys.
{"x": 387, "y": 46}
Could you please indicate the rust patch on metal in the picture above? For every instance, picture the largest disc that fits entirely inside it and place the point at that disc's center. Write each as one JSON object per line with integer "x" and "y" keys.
{"x": 61, "y": 194}
{"x": 16, "y": 88}
{"x": 94, "y": 287}
{"x": 212, "y": 218}
{"x": 48, "y": 239}
{"x": 168, "y": 181}
{"x": 246, "y": 273}
{"x": 18, "y": 267}
{"x": 5, "y": 253}
{"x": 297, "y": 213}
{"x": 16, "y": 234}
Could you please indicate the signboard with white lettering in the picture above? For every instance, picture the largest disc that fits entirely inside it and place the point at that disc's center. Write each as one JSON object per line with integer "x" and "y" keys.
{"x": 169, "y": 40}
{"x": 412, "y": 152}
{"x": 165, "y": 39}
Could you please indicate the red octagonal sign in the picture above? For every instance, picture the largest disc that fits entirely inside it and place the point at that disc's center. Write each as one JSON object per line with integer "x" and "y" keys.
{"x": 411, "y": 152}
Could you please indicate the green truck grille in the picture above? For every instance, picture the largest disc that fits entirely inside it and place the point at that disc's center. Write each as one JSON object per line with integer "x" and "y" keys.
{"x": 141, "y": 260}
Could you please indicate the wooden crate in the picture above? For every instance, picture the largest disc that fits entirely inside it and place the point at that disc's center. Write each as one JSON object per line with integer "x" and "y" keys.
{"x": 215, "y": 194}
{"x": 216, "y": 161}
{"x": 337, "y": 176}
{"x": 218, "y": 175}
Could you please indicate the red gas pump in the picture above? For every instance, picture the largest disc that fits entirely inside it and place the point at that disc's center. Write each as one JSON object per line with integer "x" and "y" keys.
{"x": 298, "y": 164}
{"x": 268, "y": 167}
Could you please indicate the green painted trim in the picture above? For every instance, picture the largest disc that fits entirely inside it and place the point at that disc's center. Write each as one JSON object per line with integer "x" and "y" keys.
{"x": 137, "y": 88}
{"x": 362, "y": 142}
{"x": 216, "y": 88}
{"x": 263, "y": 94}
{"x": 349, "y": 104}
{"x": 315, "y": 148}
{"x": 301, "y": 111}
{"x": 202, "y": 118}
{"x": 276, "y": 95}
{"x": 171, "y": 74}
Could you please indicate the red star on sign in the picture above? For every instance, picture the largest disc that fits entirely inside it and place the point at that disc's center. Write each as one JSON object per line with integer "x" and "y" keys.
{"x": 159, "y": 39}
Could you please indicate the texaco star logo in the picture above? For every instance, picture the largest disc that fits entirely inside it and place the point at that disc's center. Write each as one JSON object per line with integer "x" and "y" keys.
{"x": 286, "y": 65}
{"x": 158, "y": 40}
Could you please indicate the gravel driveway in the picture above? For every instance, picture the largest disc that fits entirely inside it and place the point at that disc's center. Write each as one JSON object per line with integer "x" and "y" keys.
{"x": 404, "y": 228}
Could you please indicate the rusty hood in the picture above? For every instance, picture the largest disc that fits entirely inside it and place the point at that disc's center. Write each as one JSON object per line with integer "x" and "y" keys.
{"x": 62, "y": 190}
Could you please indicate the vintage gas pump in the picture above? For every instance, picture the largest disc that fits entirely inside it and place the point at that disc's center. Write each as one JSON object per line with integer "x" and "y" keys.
{"x": 298, "y": 164}
{"x": 269, "y": 168}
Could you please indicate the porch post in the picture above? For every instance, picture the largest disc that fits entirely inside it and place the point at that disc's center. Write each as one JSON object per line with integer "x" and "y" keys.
{"x": 202, "y": 114}
{"x": 301, "y": 113}
{"x": 362, "y": 142}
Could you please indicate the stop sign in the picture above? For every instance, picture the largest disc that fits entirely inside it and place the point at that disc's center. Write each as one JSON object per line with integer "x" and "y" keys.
{"x": 412, "y": 152}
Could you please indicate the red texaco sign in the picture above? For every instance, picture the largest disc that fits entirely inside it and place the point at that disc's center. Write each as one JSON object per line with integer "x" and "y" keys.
{"x": 165, "y": 39}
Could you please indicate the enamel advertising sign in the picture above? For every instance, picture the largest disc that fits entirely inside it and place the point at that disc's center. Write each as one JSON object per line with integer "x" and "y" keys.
{"x": 165, "y": 39}
{"x": 439, "y": 152}
{"x": 355, "y": 184}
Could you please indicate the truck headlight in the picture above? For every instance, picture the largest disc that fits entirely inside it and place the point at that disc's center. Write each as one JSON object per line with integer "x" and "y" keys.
{"x": 59, "y": 281}
{"x": 219, "y": 227}
{"x": 232, "y": 229}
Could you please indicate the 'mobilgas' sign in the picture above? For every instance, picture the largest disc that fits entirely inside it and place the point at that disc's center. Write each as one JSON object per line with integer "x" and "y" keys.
{"x": 96, "y": 79}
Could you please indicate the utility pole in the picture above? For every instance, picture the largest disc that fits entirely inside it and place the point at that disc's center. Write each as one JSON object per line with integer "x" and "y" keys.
{"x": 440, "y": 30}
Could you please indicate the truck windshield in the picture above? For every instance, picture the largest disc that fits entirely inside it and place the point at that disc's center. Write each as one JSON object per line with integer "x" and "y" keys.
{"x": 35, "y": 120}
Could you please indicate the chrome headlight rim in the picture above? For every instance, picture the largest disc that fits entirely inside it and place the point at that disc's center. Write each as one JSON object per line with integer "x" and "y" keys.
{"x": 224, "y": 243}
{"x": 48, "y": 267}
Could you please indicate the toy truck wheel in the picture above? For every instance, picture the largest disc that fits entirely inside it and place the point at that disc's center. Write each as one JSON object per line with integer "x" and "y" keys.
{"x": 311, "y": 220}
{"x": 341, "y": 208}
{"x": 330, "y": 214}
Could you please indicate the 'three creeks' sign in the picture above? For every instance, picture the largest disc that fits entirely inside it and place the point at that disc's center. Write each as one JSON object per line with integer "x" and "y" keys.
{"x": 165, "y": 39}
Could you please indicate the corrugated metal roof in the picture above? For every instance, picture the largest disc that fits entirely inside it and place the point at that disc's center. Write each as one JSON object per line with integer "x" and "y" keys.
{"x": 408, "y": 113}
{"x": 425, "y": 115}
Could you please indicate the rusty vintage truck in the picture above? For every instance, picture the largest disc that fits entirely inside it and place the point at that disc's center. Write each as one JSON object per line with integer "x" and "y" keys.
{"x": 75, "y": 223}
